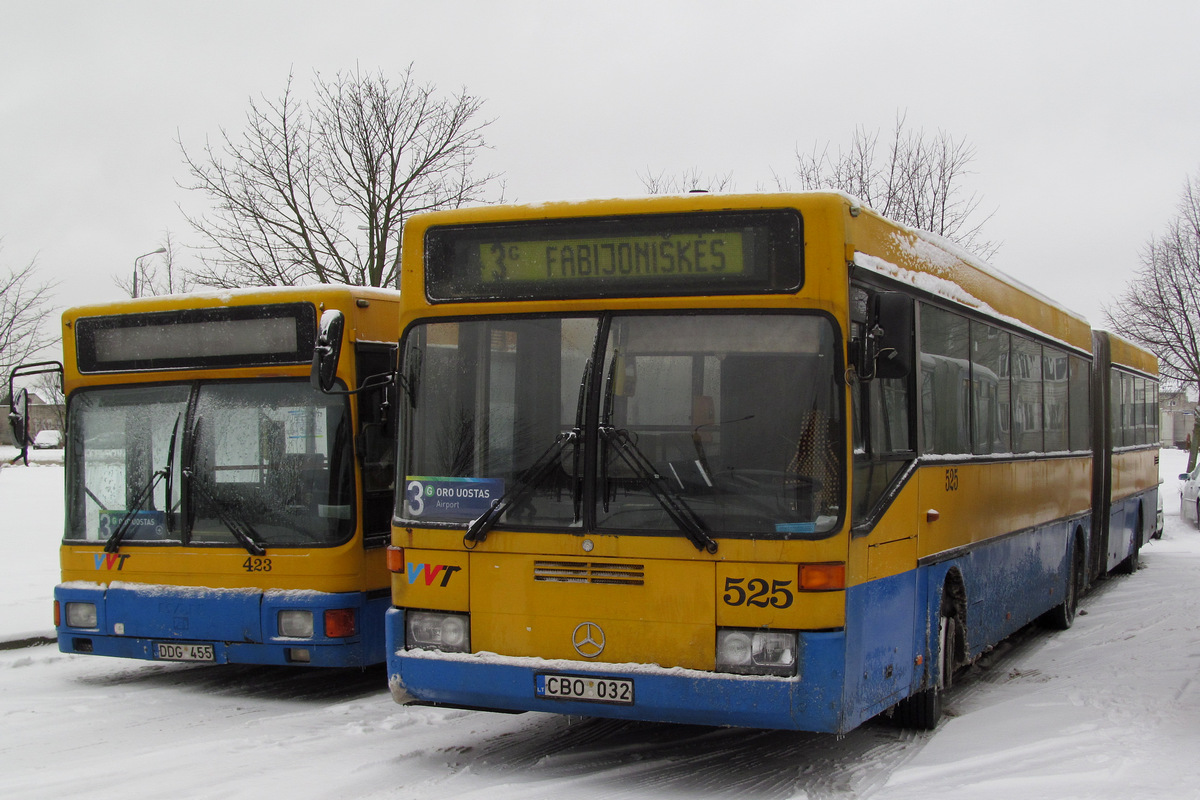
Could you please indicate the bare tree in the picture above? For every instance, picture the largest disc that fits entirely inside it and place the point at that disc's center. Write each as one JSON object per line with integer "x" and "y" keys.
{"x": 317, "y": 192}
{"x": 157, "y": 276}
{"x": 1160, "y": 308}
{"x": 692, "y": 180}
{"x": 24, "y": 304}
{"x": 913, "y": 178}
{"x": 49, "y": 385}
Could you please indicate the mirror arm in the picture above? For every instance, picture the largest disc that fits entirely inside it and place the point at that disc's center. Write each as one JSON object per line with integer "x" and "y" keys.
{"x": 19, "y": 422}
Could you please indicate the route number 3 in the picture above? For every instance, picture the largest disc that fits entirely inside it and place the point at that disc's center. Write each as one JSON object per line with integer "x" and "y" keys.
{"x": 757, "y": 592}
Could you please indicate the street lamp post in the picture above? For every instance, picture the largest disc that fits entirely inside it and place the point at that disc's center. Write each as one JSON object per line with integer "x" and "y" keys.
{"x": 135, "y": 266}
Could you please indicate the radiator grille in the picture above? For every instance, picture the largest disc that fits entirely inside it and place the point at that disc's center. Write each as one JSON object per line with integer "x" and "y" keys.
{"x": 589, "y": 572}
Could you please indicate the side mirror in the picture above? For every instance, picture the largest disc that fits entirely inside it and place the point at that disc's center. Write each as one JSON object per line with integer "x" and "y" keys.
{"x": 18, "y": 413}
{"x": 889, "y": 347}
{"x": 18, "y": 420}
{"x": 328, "y": 350}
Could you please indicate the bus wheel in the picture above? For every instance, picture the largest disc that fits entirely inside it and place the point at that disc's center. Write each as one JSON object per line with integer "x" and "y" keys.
{"x": 923, "y": 709}
{"x": 1062, "y": 616}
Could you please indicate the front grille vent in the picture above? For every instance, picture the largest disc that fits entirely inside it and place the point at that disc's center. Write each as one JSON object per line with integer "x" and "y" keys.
{"x": 589, "y": 572}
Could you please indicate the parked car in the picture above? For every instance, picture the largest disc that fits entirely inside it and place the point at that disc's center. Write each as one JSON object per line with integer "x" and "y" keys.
{"x": 48, "y": 440}
{"x": 1189, "y": 496}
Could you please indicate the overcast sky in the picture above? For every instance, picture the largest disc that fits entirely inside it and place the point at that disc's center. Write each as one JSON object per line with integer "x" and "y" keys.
{"x": 1085, "y": 116}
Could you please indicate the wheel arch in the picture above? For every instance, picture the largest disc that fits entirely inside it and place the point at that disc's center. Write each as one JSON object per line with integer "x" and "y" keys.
{"x": 954, "y": 599}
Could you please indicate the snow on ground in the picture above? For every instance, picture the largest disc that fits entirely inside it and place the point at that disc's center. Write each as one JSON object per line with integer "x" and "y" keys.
{"x": 31, "y": 526}
{"x": 1108, "y": 709}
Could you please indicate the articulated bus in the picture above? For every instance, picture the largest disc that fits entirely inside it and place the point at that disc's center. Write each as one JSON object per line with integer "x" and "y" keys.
{"x": 219, "y": 507}
{"x": 762, "y": 460}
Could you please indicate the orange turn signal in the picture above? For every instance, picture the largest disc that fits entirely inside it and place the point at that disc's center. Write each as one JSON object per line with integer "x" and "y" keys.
{"x": 822, "y": 577}
{"x": 339, "y": 622}
{"x": 395, "y": 559}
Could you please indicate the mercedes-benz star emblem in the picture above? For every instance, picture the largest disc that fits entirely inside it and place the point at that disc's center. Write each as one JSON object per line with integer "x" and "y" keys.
{"x": 588, "y": 639}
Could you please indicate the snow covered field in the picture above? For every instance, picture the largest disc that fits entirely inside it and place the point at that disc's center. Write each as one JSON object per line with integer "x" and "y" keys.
{"x": 1108, "y": 709}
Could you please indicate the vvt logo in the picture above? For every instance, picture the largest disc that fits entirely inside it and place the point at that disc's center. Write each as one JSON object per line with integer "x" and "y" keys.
{"x": 109, "y": 560}
{"x": 430, "y": 572}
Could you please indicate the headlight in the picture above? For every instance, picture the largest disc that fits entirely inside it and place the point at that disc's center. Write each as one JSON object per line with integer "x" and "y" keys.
{"x": 81, "y": 615}
{"x": 752, "y": 652}
{"x": 296, "y": 624}
{"x": 435, "y": 630}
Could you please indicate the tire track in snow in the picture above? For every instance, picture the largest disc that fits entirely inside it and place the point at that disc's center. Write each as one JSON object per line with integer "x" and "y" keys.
{"x": 555, "y": 757}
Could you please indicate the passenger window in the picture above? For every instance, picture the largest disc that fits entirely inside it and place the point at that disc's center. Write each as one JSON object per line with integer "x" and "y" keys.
{"x": 945, "y": 382}
{"x": 1027, "y": 396}
{"x": 1054, "y": 396}
{"x": 990, "y": 389}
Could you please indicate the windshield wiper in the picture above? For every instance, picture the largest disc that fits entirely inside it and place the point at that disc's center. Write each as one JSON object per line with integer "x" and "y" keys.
{"x": 230, "y": 517}
{"x": 477, "y": 531}
{"x": 679, "y": 511}
{"x": 113, "y": 543}
{"x": 610, "y": 436}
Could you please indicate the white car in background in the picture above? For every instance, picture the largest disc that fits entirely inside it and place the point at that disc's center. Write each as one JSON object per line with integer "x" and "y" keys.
{"x": 48, "y": 440}
{"x": 1189, "y": 496}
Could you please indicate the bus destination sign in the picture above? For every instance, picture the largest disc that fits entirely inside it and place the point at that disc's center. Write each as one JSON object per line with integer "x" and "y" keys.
{"x": 638, "y": 255}
{"x": 631, "y": 257}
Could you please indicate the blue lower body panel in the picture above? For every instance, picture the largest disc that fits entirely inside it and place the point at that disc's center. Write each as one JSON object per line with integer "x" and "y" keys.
{"x": 1131, "y": 523}
{"x": 809, "y": 702}
{"x": 241, "y": 626}
{"x": 889, "y": 649}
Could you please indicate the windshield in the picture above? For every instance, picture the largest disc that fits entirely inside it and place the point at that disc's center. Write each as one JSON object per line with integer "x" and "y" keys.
{"x": 701, "y": 424}
{"x": 263, "y": 464}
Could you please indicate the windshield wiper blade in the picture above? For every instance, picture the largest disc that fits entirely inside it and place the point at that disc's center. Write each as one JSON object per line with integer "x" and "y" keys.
{"x": 477, "y": 531}
{"x": 233, "y": 521}
{"x": 113, "y": 543}
{"x": 170, "y": 462}
{"x": 679, "y": 511}
{"x": 242, "y": 530}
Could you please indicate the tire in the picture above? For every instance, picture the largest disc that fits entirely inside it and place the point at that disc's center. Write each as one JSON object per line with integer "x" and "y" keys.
{"x": 923, "y": 709}
{"x": 1062, "y": 616}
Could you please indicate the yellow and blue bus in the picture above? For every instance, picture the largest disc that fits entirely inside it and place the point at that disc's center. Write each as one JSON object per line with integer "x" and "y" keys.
{"x": 220, "y": 507}
{"x": 752, "y": 460}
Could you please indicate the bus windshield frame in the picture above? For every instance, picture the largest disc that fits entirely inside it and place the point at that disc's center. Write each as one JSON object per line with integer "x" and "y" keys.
{"x": 716, "y": 423}
{"x": 253, "y": 464}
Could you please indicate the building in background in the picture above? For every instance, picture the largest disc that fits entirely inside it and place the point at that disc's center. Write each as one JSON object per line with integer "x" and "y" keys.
{"x": 1178, "y": 418}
